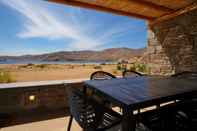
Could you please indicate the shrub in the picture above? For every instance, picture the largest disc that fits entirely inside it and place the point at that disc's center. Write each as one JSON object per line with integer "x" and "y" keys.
{"x": 119, "y": 67}
{"x": 71, "y": 67}
{"x": 132, "y": 67}
{"x": 41, "y": 66}
{"x": 139, "y": 67}
{"x": 5, "y": 77}
{"x": 103, "y": 63}
{"x": 142, "y": 68}
{"x": 30, "y": 64}
{"x": 98, "y": 67}
{"x": 115, "y": 72}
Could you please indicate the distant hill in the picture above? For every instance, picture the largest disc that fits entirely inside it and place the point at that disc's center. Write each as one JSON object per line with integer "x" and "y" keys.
{"x": 112, "y": 54}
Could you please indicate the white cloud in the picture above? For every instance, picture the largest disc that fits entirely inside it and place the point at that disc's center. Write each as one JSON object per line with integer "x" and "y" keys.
{"x": 39, "y": 22}
{"x": 43, "y": 22}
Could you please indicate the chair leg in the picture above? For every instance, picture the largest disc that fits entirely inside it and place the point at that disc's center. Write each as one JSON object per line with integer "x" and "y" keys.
{"x": 120, "y": 110}
{"x": 70, "y": 123}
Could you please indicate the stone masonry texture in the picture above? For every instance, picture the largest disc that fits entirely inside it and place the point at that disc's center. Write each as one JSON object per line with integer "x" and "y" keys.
{"x": 172, "y": 45}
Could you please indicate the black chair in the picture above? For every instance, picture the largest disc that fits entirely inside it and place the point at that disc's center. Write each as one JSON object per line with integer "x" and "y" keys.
{"x": 178, "y": 116}
{"x": 130, "y": 73}
{"x": 188, "y": 113}
{"x": 185, "y": 74}
{"x": 154, "y": 119}
{"x": 90, "y": 114}
{"x": 4, "y": 119}
{"x": 101, "y": 75}
{"x": 165, "y": 118}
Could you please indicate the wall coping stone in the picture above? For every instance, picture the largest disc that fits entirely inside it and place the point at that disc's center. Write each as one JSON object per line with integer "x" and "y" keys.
{"x": 39, "y": 83}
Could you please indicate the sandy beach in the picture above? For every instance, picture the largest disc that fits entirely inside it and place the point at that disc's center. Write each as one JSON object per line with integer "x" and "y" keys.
{"x": 42, "y": 72}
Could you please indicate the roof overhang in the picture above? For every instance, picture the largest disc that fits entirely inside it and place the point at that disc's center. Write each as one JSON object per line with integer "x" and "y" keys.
{"x": 151, "y": 10}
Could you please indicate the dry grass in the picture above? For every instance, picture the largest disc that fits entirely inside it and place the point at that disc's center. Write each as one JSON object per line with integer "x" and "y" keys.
{"x": 23, "y": 73}
{"x": 6, "y": 77}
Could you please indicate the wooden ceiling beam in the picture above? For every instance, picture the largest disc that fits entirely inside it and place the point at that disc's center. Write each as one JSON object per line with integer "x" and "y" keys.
{"x": 101, "y": 8}
{"x": 152, "y": 5}
{"x": 174, "y": 14}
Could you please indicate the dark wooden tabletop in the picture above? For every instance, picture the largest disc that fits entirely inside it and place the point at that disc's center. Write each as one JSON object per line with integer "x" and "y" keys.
{"x": 141, "y": 90}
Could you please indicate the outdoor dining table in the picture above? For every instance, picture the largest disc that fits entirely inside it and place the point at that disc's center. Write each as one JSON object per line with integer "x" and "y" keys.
{"x": 139, "y": 92}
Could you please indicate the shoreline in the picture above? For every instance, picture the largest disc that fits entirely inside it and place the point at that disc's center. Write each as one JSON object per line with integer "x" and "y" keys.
{"x": 56, "y": 62}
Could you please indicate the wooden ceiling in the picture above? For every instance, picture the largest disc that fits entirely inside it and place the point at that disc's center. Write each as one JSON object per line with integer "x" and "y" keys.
{"x": 143, "y": 9}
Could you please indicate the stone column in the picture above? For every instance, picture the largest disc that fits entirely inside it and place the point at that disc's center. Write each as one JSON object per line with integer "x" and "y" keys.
{"x": 158, "y": 61}
{"x": 172, "y": 45}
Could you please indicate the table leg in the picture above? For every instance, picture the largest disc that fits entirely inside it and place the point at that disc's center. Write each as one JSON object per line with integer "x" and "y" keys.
{"x": 84, "y": 89}
{"x": 128, "y": 122}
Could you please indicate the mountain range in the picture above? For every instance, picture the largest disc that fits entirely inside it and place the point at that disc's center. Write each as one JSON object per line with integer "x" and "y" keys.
{"x": 112, "y": 54}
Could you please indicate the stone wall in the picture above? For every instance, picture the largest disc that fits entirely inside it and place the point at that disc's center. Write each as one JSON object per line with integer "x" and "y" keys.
{"x": 172, "y": 45}
{"x": 35, "y": 98}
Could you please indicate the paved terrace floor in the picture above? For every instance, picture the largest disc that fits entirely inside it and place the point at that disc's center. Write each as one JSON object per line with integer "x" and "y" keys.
{"x": 59, "y": 124}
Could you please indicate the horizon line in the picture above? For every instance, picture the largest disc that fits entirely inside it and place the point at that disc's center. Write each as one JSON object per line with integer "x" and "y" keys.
{"x": 26, "y": 54}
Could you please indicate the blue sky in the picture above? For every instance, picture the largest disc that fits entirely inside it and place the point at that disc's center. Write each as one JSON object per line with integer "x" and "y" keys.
{"x": 36, "y": 26}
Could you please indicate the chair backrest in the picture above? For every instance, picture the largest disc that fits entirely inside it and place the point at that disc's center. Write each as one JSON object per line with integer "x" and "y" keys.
{"x": 87, "y": 112}
{"x": 130, "y": 73}
{"x": 101, "y": 75}
{"x": 185, "y": 74}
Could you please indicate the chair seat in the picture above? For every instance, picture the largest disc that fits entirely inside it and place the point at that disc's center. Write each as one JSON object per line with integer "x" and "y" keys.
{"x": 112, "y": 122}
{"x": 139, "y": 127}
{"x": 177, "y": 117}
{"x": 91, "y": 114}
{"x": 188, "y": 116}
{"x": 110, "y": 119}
{"x": 162, "y": 118}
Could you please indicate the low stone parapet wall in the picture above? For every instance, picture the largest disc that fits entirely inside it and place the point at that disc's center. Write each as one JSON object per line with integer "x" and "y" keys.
{"x": 28, "y": 96}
